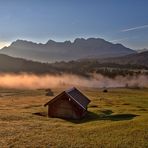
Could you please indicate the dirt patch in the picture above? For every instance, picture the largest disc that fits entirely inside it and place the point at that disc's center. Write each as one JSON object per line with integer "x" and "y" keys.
{"x": 93, "y": 106}
{"x": 125, "y": 104}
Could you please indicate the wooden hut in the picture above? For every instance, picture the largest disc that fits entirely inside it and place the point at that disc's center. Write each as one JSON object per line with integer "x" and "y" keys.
{"x": 70, "y": 104}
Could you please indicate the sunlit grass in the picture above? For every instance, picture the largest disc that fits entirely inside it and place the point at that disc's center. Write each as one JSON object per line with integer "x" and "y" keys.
{"x": 118, "y": 118}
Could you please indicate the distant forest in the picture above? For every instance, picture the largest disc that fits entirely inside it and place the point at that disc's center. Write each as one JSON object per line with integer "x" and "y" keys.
{"x": 85, "y": 67}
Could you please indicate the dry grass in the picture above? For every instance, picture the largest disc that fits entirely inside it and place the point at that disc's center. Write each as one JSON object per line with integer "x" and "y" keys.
{"x": 112, "y": 120}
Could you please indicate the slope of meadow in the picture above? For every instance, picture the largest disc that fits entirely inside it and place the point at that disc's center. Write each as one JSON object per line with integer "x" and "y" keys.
{"x": 118, "y": 118}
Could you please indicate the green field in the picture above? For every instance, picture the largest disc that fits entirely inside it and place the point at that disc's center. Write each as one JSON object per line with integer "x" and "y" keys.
{"x": 116, "y": 119}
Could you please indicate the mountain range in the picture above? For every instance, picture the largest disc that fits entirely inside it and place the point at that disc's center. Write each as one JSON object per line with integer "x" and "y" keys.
{"x": 83, "y": 56}
{"x": 65, "y": 51}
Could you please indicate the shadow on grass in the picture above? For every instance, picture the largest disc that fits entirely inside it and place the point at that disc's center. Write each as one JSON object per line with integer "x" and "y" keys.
{"x": 106, "y": 111}
{"x": 43, "y": 114}
{"x": 91, "y": 116}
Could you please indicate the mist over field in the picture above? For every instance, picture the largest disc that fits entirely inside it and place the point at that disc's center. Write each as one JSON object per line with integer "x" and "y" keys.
{"x": 32, "y": 81}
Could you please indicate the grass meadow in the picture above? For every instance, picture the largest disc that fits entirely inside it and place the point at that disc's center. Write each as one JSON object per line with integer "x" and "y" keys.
{"x": 116, "y": 119}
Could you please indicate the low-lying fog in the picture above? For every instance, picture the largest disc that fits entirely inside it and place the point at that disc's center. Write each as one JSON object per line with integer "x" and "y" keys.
{"x": 31, "y": 81}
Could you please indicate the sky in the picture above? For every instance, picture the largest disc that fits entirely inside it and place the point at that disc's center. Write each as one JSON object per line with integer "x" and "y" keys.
{"x": 118, "y": 21}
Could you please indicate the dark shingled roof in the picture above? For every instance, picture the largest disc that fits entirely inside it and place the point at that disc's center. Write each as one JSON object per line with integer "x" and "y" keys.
{"x": 76, "y": 96}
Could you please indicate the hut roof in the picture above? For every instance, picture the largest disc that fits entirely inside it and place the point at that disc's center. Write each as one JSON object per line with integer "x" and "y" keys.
{"x": 75, "y": 95}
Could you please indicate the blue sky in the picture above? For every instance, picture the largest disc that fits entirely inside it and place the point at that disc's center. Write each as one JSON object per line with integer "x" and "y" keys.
{"x": 123, "y": 21}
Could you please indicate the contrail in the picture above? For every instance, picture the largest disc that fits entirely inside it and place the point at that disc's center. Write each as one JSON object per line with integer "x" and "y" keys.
{"x": 135, "y": 28}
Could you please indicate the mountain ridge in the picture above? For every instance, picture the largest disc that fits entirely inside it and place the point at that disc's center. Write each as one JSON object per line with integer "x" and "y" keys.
{"x": 53, "y": 51}
{"x": 10, "y": 64}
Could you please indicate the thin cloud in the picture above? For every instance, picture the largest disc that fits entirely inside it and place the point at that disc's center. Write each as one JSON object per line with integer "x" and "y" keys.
{"x": 135, "y": 28}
